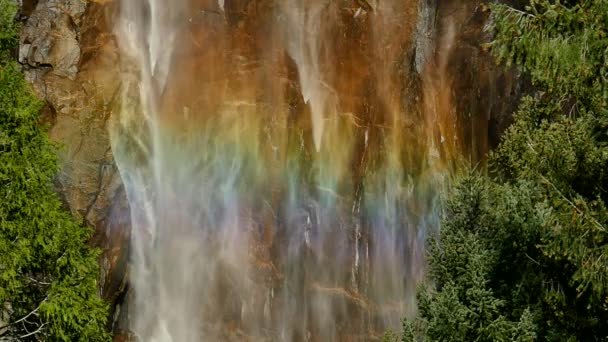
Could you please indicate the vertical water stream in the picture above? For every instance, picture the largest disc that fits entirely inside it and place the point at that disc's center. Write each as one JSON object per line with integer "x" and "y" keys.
{"x": 282, "y": 165}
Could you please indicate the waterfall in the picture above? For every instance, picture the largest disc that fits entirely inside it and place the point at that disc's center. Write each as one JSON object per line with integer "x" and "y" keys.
{"x": 282, "y": 171}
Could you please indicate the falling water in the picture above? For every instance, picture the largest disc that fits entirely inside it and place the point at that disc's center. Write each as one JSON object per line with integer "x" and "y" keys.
{"x": 281, "y": 169}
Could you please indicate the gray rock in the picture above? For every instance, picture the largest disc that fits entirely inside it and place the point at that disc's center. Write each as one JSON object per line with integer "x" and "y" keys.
{"x": 425, "y": 33}
{"x": 50, "y": 37}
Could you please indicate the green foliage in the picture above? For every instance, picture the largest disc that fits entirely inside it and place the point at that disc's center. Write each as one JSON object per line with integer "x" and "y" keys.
{"x": 47, "y": 272}
{"x": 467, "y": 301}
{"x": 522, "y": 254}
{"x": 8, "y": 29}
{"x": 563, "y": 46}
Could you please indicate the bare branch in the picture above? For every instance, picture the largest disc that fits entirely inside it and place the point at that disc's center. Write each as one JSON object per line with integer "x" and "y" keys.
{"x": 26, "y": 316}
{"x": 37, "y": 281}
{"x": 534, "y": 261}
{"x": 33, "y": 332}
{"x": 519, "y": 12}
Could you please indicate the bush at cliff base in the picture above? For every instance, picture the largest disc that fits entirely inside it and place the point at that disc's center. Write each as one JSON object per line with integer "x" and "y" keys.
{"x": 523, "y": 251}
{"x": 48, "y": 274}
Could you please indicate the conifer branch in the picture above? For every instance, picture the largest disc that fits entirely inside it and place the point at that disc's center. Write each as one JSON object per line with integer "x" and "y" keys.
{"x": 578, "y": 210}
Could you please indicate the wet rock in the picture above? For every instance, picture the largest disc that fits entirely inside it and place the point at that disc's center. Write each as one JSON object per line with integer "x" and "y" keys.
{"x": 425, "y": 33}
{"x": 487, "y": 93}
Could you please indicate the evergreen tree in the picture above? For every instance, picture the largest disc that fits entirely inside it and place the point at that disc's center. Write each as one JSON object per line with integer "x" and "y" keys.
{"x": 523, "y": 252}
{"x": 48, "y": 274}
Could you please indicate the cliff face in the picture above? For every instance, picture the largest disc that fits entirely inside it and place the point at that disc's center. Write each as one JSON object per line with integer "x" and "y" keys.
{"x": 70, "y": 58}
{"x": 70, "y": 55}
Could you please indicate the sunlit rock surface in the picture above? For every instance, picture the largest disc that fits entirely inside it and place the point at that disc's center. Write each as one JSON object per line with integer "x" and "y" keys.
{"x": 325, "y": 88}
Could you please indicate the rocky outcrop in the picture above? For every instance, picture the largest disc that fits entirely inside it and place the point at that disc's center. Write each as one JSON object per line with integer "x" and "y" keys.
{"x": 70, "y": 58}
{"x": 52, "y": 39}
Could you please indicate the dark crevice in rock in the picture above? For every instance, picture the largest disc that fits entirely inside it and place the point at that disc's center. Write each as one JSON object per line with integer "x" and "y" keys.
{"x": 27, "y": 7}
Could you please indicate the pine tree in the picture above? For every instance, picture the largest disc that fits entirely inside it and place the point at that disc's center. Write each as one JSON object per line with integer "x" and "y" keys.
{"x": 48, "y": 274}
{"x": 534, "y": 231}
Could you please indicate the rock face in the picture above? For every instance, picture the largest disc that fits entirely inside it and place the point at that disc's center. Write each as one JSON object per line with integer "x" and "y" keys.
{"x": 71, "y": 59}
{"x": 53, "y": 39}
